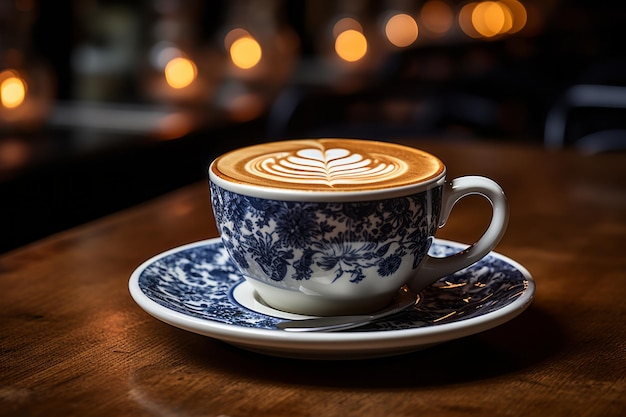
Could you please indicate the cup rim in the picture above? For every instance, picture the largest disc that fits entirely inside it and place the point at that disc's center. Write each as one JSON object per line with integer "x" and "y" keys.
{"x": 324, "y": 196}
{"x": 293, "y": 194}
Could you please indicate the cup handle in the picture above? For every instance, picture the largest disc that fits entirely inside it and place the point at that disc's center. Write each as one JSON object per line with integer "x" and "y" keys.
{"x": 433, "y": 268}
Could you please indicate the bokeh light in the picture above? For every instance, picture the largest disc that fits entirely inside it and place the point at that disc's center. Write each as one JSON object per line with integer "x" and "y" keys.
{"x": 346, "y": 23}
{"x": 518, "y": 13}
{"x": 437, "y": 16}
{"x": 465, "y": 20}
{"x": 233, "y": 35}
{"x": 180, "y": 72}
{"x": 488, "y": 18}
{"x": 401, "y": 30}
{"x": 245, "y": 52}
{"x": 12, "y": 89}
{"x": 351, "y": 45}
{"x": 492, "y": 18}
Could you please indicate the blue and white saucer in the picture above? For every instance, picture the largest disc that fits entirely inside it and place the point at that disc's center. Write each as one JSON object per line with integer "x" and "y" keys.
{"x": 197, "y": 288}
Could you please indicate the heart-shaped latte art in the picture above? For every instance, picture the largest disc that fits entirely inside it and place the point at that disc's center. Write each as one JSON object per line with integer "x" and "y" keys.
{"x": 329, "y": 167}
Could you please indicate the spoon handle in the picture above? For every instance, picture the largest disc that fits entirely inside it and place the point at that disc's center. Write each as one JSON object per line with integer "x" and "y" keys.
{"x": 335, "y": 323}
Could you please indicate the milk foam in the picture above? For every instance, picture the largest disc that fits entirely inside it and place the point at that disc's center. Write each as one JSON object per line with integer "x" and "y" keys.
{"x": 328, "y": 165}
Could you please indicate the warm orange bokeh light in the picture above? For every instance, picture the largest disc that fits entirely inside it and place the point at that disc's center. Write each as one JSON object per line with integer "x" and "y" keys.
{"x": 465, "y": 20}
{"x": 245, "y": 52}
{"x": 437, "y": 16}
{"x": 344, "y": 24}
{"x": 174, "y": 126}
{"x": 180, "y": 72}
{"x": 488, "y": 18}
{"x": 351, "y": 45}
{"x": 401, "y": 30}
{"x": 518, "y": 14}
{"x": 492, "y": 18}
{"x": 233, "y": 35}
{"x": 12, "y": 90}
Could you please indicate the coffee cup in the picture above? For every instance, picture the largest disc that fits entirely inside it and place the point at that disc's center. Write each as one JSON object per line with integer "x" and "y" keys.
{"x": 338, "y": 226}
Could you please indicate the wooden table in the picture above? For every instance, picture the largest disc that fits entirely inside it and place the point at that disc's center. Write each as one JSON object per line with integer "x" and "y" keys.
{"x": 73, "y": 342}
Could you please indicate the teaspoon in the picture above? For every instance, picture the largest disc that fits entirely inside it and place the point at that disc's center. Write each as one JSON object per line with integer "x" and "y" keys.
{"x": 334, "y": 323}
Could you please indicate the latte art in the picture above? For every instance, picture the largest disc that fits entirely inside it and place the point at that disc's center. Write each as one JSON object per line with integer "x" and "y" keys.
{"x": 330, "y": 167}
{"x": 325, "y": 166}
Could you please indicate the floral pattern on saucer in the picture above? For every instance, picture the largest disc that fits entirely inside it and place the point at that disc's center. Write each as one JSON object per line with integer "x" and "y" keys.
{"x": 198, "y": 281}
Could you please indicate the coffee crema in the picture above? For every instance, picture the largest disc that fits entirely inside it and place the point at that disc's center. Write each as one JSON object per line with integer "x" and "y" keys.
{"x": 328, "y": 165}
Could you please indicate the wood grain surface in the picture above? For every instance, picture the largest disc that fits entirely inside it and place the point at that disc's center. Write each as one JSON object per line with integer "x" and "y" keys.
{"x": 73, "y": 342}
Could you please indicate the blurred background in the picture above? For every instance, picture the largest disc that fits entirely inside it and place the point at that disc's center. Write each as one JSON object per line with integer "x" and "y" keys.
{"x": 108, "y": 103}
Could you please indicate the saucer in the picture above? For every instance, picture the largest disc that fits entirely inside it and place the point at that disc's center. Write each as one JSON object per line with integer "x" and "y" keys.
{"x": 197, "y": 288}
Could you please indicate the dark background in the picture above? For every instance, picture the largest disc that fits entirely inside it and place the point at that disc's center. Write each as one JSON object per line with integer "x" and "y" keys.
{"x": 499, "y": 89}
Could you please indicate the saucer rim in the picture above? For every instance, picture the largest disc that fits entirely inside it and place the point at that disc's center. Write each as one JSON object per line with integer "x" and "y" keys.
{"x": 282, "y": 342}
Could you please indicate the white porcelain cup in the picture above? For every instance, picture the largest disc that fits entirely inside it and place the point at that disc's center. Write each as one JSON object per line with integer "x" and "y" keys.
{"x": 338, "y": 226}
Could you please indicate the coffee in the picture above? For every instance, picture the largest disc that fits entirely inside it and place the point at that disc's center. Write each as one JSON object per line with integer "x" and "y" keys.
{"x": 323, "y": 165}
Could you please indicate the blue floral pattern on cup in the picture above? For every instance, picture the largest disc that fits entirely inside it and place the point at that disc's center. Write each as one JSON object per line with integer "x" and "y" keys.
{"x": 275, "y": 240}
